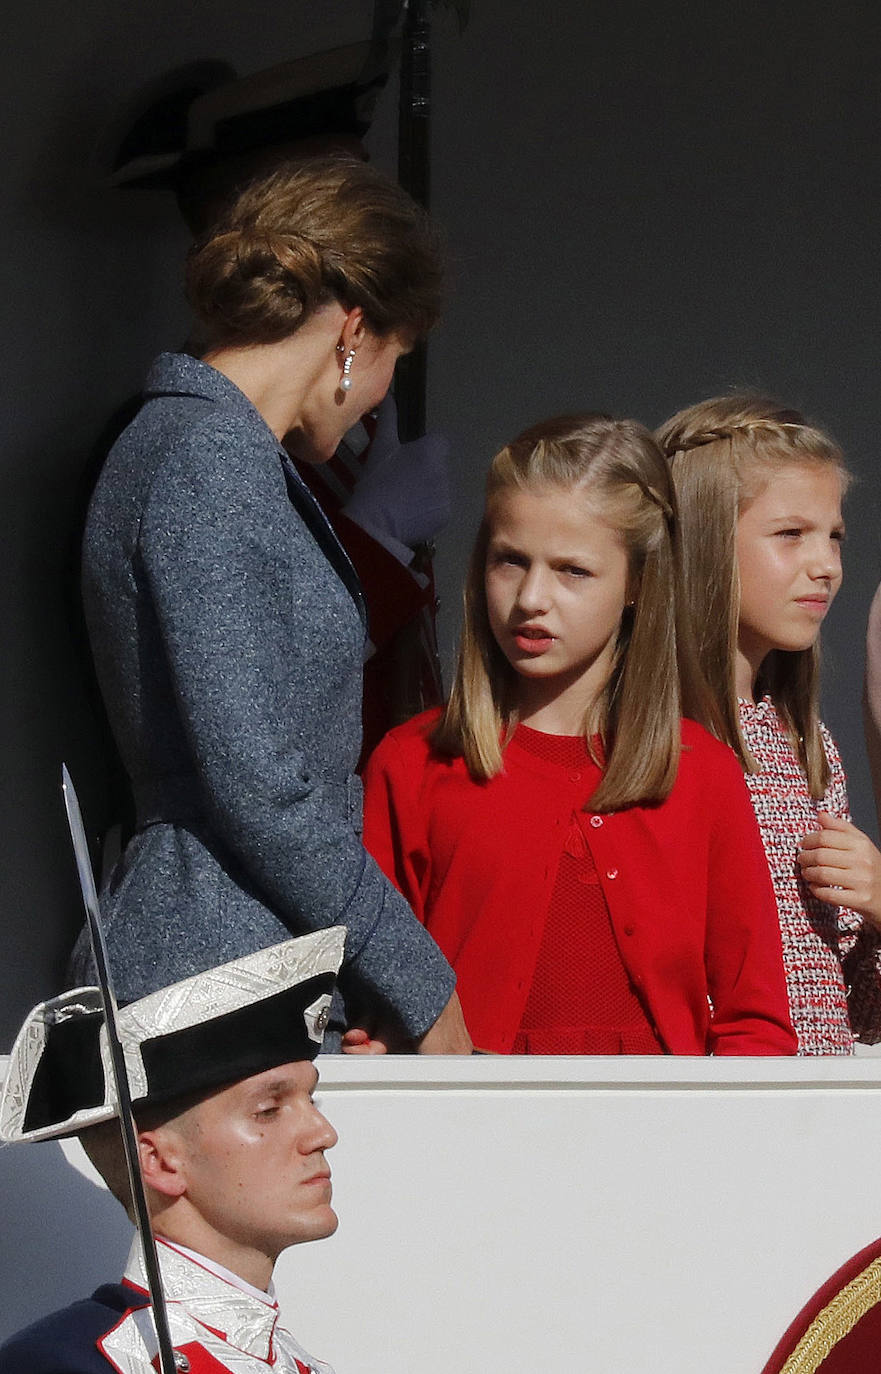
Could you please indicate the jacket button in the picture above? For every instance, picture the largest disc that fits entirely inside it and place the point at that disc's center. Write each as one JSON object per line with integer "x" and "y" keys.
{"x": 596, "y": 822}
{"x": 575, "y": 776}
{"x": 612, "y": 873}
{"x": 628, "y": 930}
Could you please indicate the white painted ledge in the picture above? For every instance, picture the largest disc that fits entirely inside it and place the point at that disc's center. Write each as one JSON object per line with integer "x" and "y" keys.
{"x": 605, "y": 1216}
{"x": 625, "y": 1072}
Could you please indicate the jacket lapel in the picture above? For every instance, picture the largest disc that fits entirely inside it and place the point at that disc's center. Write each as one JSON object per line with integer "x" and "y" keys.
{"x": 320, "y": 528}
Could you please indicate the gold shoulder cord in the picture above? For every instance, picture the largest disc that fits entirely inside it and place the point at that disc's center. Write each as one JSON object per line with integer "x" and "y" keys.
{"x": 836, "y": 1319}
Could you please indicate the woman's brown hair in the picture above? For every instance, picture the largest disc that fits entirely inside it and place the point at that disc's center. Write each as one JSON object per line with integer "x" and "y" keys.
{"x": 722, "y": 452}
{"x": 616, "y": 467}
{"x": 327, "y": 229}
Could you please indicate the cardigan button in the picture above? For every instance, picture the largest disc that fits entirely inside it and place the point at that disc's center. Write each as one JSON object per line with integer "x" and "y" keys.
{"x": 628, "y": 930}
{"x": 612, "y": 873}
{"x": 596, "y": 822}
{"x": 575, "y": 776}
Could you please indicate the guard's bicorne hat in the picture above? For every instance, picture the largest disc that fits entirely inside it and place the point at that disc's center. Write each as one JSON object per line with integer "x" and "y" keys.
{"x": 212, "y": 1029}
{"x": 204, "y": 111}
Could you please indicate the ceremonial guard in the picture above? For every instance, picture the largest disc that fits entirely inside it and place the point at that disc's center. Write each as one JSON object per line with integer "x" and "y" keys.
{"x": 231, "y": 1150}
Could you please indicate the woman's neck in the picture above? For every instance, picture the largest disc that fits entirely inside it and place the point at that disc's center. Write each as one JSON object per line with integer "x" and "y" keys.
{"x": 277, "y": 378}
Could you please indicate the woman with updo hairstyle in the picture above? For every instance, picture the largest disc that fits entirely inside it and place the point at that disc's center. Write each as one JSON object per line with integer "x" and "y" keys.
{"x": 227, "y": 624}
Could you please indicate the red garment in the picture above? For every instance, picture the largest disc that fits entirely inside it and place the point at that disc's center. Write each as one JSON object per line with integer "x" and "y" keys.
{"x": 686, "y": 884}
{"x": 401, "y": 675}
{"x": 581, "y": 1000}
{"x": 839, "y": 1330}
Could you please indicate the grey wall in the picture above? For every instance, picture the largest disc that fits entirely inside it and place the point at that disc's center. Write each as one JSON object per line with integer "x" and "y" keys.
{"x": 642, "y": 208}
{"x": 647, "y": 205}
{"x": 91, "y": 291}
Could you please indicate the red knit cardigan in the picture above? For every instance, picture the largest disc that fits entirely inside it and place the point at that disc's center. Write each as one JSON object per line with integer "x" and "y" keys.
{"x": 686, "y": 883}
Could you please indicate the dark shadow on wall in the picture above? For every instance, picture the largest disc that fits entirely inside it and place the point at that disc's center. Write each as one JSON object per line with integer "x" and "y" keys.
{"x": 49, "y": 715}
{"x": 62, "y": 1235}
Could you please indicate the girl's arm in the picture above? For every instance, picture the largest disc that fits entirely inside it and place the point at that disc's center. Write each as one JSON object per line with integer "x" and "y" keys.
{"x": 394, "y": 829}
{"x": 842, "y": 866}
{"x": 394, "y": 833}
{"x": 839, "y": 863}
{"x": 872, "y": 698}
{"x": 744, "y": 955}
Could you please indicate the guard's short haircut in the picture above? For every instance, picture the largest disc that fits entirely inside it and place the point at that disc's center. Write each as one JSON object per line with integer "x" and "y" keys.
{"x": 103, "y": 1143}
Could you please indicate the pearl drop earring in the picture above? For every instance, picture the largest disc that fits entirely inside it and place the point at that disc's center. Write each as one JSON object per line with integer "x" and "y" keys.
{"x": 346, "y": 380}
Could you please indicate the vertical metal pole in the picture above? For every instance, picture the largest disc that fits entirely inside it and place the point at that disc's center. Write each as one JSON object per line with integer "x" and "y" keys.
{"x": 414, "y": 167}
{"x": 120, "y": 1078}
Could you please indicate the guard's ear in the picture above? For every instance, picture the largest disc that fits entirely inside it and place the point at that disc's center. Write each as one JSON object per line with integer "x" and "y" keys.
{"x": 162, "y": 1156}
{"x": 354, "y": 329}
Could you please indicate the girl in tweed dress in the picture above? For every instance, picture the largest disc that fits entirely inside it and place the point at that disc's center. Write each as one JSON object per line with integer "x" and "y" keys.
{"x": 760, "y": 504}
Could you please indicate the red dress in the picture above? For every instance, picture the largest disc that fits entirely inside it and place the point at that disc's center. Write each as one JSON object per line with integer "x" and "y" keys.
{"x": 685, "y": 882}
{"x": 581, "y": 1000}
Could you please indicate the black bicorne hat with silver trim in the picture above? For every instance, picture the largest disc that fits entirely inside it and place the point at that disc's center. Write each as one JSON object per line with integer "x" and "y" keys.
{"x": 217, "y": 1027}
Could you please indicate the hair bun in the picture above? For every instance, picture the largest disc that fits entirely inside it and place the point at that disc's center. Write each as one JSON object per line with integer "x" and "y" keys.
{"x": 308, "y": 233}
{"x": 248, "y": 274}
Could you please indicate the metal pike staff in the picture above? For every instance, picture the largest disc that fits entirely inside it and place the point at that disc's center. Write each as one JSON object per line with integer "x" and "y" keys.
{"x": 424, "y": 685}
{"x": 414, "y": 174}
{"x": 120, "y": 1078}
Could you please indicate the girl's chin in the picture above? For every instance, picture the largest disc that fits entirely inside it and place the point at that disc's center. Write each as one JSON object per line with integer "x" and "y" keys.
{"x": 532, "y": 665}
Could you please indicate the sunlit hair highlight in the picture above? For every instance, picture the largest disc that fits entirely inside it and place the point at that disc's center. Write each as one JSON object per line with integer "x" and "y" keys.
{"x": 722, "y": 453}
{"x": 328, "y": 229}
{"x": 617, "y": 469}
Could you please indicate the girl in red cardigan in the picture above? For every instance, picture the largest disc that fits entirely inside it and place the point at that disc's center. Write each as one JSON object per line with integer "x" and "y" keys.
{"x": 587, "y": 860}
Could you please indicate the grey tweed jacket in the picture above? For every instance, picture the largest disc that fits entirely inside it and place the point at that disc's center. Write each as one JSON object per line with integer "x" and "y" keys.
{"x": 228, "y": 630}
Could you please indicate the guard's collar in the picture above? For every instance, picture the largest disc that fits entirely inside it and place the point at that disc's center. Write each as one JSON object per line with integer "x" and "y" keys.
{"x": 211, "y": 1296}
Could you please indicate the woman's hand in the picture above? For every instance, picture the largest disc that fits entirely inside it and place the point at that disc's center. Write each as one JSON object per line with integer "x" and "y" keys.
{"x": 449, "y": 1034}
{"x": 842, "y": 866}
{"x": 359, "y": 1041}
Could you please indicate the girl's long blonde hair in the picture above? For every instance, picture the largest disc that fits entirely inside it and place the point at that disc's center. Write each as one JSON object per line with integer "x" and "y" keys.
{"x": 722, "y": 452}
{"x": 617, "y": 467}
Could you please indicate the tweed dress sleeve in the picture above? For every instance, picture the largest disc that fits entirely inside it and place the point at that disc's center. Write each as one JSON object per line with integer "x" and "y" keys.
{"x": 859, "y": 942}
{"x": 255, "y": 633}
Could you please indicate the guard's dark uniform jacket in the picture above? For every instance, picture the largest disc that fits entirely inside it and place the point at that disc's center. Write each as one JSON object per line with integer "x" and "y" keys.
{"x": 216, "y": 1326}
